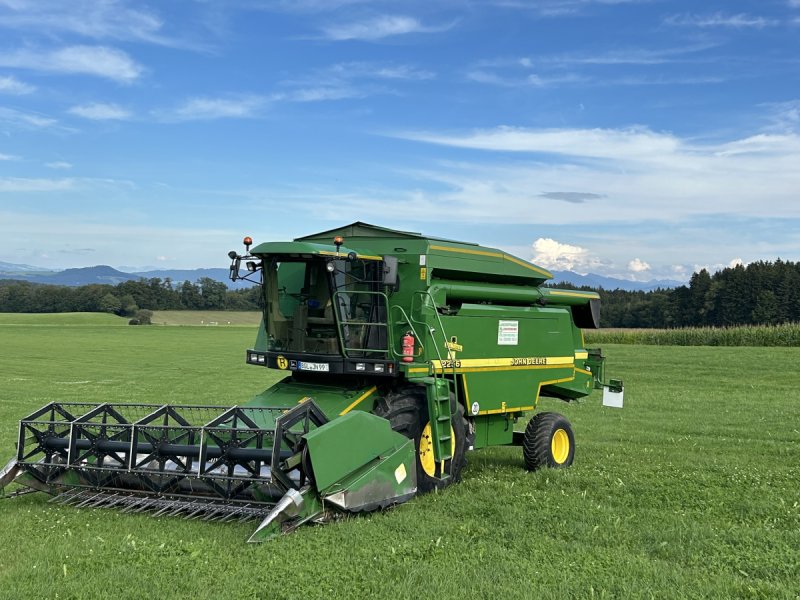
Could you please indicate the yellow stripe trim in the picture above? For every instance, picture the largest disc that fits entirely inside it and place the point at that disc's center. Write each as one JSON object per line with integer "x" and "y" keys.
{"x": 342, "y": 255}
{"x": 507, "y": 410}
{"x": 581, "y": 355}
{"x": 549, "y": 361}
{"x": 362, "y": 397}
{"x": 522, "y": 263}
{"x": 584, "y": 371}
{"x": 502, "y": 255}
{"x": 491, "y": 369}
{"x": 466, "y": 251}
{"x": 590, "y": 295}
{"x": 419, "y": 370}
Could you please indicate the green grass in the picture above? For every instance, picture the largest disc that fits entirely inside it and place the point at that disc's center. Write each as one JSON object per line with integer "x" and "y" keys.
{"x": 75, "y": 318}
{"x": 690, "y": 491}
{"x": 210, "y": 318}
{"x": 750, "y": 335}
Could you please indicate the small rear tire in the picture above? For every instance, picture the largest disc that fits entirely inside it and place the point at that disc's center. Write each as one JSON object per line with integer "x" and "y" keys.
{"x": 548, "y": 442}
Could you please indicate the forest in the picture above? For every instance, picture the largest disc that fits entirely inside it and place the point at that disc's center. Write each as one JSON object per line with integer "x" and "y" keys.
{"x": 761, "y": 293}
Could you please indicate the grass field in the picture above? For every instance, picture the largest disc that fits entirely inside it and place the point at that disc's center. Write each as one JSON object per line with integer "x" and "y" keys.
{"x": 787, "y": 334}
{"x": 210, "y": 318}
{"x": 691, "y": 491}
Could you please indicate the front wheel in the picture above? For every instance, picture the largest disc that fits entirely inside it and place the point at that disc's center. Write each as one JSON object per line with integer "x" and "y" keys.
{"x": 407, "y": 412}
{"x": 548, "y": 442}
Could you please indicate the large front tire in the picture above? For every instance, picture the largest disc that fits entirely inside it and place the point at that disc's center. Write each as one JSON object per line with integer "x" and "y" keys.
{"x": 407, "y": 412}
{"x": 548, "y": 442}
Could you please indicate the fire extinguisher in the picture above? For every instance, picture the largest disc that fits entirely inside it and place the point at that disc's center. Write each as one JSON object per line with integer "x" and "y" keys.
{"x": 408, "y": 347}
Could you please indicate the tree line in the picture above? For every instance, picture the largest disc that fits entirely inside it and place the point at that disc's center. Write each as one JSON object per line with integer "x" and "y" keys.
{"x": 126, "y": 298}
{"x": 761, "y": 293}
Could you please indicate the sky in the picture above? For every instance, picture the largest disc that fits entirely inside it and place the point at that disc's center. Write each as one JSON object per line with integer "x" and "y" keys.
{"x": 642, "y": 139}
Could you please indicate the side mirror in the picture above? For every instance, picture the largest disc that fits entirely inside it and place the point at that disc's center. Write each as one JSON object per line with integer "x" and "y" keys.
{"x": 390, "y": 271}
{"x": 234, "y": 272}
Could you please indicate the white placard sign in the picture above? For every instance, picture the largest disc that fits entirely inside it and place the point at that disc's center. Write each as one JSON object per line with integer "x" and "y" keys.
{"x": 507, "y": 333}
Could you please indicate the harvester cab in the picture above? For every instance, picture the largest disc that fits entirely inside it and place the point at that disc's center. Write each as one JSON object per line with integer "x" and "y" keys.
{"x": 401, "y": 353}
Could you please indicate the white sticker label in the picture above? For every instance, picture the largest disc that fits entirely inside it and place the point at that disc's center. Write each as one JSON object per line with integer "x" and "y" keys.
{"x": 400, "y": 474}
{"x": 507, "y": 333}
{"x": 476, "y": 408}
{"x": 422, "y": 260}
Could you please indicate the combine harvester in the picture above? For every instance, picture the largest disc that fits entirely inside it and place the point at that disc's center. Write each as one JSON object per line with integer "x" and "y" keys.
{"x": 401, "y": 353}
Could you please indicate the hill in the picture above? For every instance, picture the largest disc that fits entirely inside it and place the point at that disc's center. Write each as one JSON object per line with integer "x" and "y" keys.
{"x": 110, "y": 275}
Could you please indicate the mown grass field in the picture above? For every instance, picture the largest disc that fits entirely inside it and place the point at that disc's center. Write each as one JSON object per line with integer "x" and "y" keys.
{"x": 691, "y": 491}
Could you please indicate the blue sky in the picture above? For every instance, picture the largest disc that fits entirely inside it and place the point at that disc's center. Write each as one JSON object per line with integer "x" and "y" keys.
{"x": 636, "y": 138}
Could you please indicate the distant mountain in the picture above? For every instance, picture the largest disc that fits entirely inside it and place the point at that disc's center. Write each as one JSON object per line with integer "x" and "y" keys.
{"x": 12, "y": 268}
{"x": 111, "y": 276}
{"x": 612, "y": 283}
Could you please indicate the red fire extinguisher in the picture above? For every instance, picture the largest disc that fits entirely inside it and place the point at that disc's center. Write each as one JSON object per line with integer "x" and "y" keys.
{"x": 408, "y": 347}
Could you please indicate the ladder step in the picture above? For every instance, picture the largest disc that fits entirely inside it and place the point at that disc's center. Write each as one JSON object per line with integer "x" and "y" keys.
{"x": 443, "y": 418}
{"x": 444, "y": 438}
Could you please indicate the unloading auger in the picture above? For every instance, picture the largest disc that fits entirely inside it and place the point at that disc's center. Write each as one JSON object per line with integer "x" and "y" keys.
{"x": 401, "y": 354}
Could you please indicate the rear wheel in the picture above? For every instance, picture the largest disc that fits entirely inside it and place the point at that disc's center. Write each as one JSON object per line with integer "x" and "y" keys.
{"x": 407, "y": 412}
{"x": 548, "y": 442}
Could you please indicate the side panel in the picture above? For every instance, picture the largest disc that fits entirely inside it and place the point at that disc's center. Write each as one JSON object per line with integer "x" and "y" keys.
{"x": 505, "y": 354}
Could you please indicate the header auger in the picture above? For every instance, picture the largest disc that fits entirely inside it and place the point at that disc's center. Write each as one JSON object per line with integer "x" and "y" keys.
{"x": 402, "y": 353}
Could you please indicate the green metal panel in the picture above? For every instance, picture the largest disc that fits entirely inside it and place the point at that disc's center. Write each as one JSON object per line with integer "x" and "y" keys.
{"x": 348, "y": 443}
{"x": 333, "y": 400}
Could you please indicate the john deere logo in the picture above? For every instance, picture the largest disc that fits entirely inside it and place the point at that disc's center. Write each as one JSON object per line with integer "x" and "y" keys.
{"x": 282, "y": 362}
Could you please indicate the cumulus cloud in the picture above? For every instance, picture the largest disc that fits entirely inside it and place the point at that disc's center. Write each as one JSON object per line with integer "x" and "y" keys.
{"x": 551, "y": 254}
{"x": 100, "y": 111}
{"x": 638, "y": 266}
{"x": 98, "y": 61}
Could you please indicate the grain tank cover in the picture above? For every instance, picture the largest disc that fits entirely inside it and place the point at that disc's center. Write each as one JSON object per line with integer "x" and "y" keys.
{"x": 444, "y": 258}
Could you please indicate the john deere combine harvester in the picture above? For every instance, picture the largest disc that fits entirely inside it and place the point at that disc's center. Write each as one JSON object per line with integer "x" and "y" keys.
{"x": 401, "y": 353}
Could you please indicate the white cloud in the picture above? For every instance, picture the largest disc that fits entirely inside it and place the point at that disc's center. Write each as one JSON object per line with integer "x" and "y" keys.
{"x": 26, "y": 120}
{"x": 98, "y": 61}
{"x": 641, "y": 174}
{"x": 368, "y": 70}
{"x": 96, "y": 19}
{"x": 100, "y": 111}
{"x": 638, "y": 266}
{"x": 205, "y": 108}
{"x": 348, "y": 80}
{"x": 8, "y": 157}
{"x": 551, "y": 254}
{"x": 59, "y": 164}
{"x": 720, "y": 19}
{"x": 379, "y": 28}
{"x": 12, "y": 85}
{"x": 25, "y": 185}
{"x": 632, "y": 143}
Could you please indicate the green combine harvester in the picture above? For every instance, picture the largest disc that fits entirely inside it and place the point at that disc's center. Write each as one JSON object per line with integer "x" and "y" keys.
{"x": 401, "y": 353}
